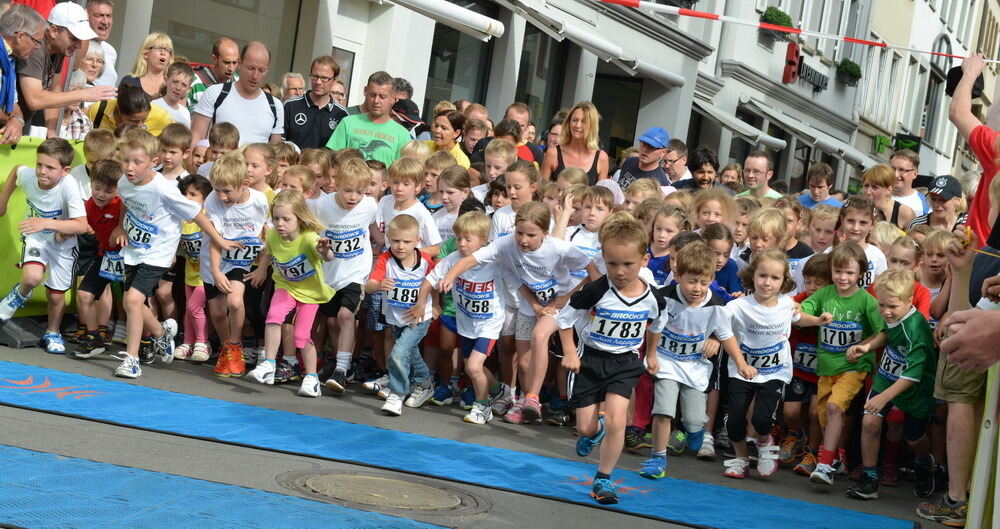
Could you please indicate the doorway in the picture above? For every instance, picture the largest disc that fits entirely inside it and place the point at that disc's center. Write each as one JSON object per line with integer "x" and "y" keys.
{"x": 617, "y": 97}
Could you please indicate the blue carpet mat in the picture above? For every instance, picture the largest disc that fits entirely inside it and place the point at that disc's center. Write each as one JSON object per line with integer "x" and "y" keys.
{"x": 681, "y": 501}
{"x": 40, "y": 490}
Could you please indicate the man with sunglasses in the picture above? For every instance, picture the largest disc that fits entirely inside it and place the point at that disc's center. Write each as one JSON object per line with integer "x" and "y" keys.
{"x": 310, "y": 118}
{"x": 37, "y": 73}
{"x": 905, "y": 163}
{"x": 22, "y": 29}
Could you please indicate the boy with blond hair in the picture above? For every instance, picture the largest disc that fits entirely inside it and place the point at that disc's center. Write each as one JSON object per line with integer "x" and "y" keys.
{"x": 497, "y": 157}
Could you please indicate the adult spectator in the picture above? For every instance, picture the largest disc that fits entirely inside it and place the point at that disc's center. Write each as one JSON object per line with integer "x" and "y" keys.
{"x": 531, "y": 133}
{"x": 406, "y": 113}
{"x": 259, "y": 117}
{"x": 36, "y": 74}
{"x": 311, "y": 118}
{"x": 758, "y": 169}
{"x": 652, "y": 148}
{"x": 552, "y": 135}
{"x": 447, "y": 128}
{"x": 131, "y": 107}
{"x": 675, "y": 164}
{"x": 475, "y": 111}
{"x": 100, "y": 16}
{"x": 905, "y": 163}
{"x": 339, "y": 92}
{"x": 578, "y": 144}
{"x": 703, "y": 164}
{"x": 93, "y": 63}
{"x": 374, "y": 133}
{"x": 292, "y": 85}
{"x": 731, "y": 175}
{"x": 876, "y": 184}
{"x": 820, "y": 180}
{"x": 474, "y": 130}
{"x": 149, "y": 72}
{"x": 22, "y": 29}
{"x": 225, "y": 61}
{"x": 402, "y": 89}
{"x": 462, "y": 104}
{"x": 947, "y": 205}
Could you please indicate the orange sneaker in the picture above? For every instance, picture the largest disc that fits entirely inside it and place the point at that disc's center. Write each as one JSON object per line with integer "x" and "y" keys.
{"x": 236, "y": 366}
{"x": 222, "y": 362}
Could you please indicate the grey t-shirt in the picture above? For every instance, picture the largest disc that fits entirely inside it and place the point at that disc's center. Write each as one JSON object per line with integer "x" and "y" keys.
{"x": 39, "y": 65}
{"x": 630, "y": 172}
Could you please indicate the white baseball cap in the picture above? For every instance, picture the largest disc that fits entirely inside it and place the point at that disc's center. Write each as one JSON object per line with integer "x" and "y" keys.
{"x": 73, "y": 17}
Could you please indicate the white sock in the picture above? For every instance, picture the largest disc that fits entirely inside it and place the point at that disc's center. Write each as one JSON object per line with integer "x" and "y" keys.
{"x": 343, "y": 361}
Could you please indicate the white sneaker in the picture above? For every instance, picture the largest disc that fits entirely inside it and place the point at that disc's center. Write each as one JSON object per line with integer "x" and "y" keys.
{"x": 379, "y": 386}
{"x": 183, "y": 351}
{"x": 309, "y": 387}
{"x": 11, "y": 302}
{"x": 419, "y": 396}
{"x": 823, "y": 475}
{"x": 480, "y": 414}
{"x": 767, "y": 458}
{"x": 393, "y": 405}
{"x": 129, "y": 367}
{"x": 121, "y": 333}
{"x": 264, "y": 373}
{"x": 503, "y": 400}
{"x": 200, "y": 352}
{"x": 707, "y": 450}
{"x": 165, "y": 344}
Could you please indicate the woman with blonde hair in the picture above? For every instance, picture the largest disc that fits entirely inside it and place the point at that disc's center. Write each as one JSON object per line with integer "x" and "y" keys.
{"x": 578, "y": 145}
{"x": 149, "y": 72}
{"x": 876, "y": 184}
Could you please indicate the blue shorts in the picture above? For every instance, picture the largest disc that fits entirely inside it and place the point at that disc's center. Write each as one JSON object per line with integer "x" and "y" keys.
{"x": 914, "y": 428}
{"x": 480, "y": 345}
{"x": 449, "y": 323}
{"x": 373, "y": 302}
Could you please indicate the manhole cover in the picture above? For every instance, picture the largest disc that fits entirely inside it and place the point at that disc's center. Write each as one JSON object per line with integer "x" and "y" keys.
{"x": 384, "y": 492}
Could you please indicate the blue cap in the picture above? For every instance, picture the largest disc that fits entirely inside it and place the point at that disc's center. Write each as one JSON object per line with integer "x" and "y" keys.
{"x": 655, "y": 137}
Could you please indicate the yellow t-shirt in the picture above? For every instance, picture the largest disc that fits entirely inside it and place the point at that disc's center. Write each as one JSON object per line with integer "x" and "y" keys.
{"x": 298, "y": 267}
{"x": 157, "y": 119}
{"x": 190, "y": 247}
{"x": 455, "y": 152}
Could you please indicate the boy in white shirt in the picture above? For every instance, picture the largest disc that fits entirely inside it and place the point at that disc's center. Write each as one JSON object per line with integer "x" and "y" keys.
{"x": 406, "y": 176}
{"x": 149, "y": 234}
{"x": 174, "y": 100}
{"x": 55, "y": 214}
{"x": 175, "y": 150}
{"x": 348, "y": 215}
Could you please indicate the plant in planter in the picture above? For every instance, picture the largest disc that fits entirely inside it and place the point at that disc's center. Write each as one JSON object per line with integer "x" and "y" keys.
{"x": 686, "y": 4}
{"x": 848, "y": 72}
{"x": 777, "y": 17}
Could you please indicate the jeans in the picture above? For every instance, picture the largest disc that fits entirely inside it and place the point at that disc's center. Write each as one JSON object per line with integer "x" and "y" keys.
{"x": 405, "y": 363}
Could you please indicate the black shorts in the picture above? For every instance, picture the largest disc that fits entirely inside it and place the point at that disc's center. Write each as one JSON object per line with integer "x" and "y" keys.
{"x": 914, "y": 428}
{"x": 86, "y": 244}
{"x": 348, "y": 297}
{"x": 176, "y": 270}
{"x": 236, "y": 274}
{"x": 143, "y": 277}
{"x": 602, "y": 373}
{"x": 92, "y": 281}
{"x": 799, "y": 390}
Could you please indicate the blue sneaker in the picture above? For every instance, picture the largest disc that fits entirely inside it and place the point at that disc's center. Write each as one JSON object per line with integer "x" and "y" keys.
{"x": 442, "y": 395}
{"x": 653, "y": 468}
{"x": 695, "y": 440}
{"x": 468, "y": 398}
{"x": 584, "y": 444}
{"x": 53, "y": 343}
{"x": 604, "y": 491}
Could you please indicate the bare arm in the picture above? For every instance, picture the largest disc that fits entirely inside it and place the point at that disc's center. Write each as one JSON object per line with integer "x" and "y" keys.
{"x": 549, "y": 162}
{"x": 602, "y": 166}
{"x": 199, "y": 128}
{"x": 8, "y": 189}
{"x": 38, "y": 98}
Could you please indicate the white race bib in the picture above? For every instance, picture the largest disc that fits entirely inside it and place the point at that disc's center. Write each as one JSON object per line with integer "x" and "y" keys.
{"x": 112, "y": 266}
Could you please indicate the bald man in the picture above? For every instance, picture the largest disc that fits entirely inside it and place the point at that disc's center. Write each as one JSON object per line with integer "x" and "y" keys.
{"x": 258, "y": 115}
{"x": 225, "y": 61}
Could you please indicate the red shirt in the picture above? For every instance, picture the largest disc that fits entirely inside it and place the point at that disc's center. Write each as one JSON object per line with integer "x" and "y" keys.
{"x": 982, "y": 141}
{"x": 103, "y": 221}
{"x": 921, "y": 298}
{"x": 524, "y": 153}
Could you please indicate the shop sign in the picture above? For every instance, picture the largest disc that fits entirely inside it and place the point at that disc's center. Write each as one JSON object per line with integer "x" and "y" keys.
{"x": 796, "y": 68}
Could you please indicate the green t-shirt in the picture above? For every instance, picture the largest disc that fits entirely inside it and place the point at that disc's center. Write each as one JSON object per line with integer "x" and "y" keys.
{"x": 376, "y": 141}
{"x": 855, "y": 318}
{"x": 447, "y": 248}
{"x": 909, "y": 354}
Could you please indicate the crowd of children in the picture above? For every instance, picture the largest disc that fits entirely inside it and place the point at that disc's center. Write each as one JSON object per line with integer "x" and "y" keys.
{"x": 691, "y": 321}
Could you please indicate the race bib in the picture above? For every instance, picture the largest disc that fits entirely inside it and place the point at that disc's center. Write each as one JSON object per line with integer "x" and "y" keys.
{"x": 140, "y": 234}
{"x": 404, "y": 294}
{"x": 767, "y": 360}
{"x": 618, "y": 328}
{"x": 593, "y": 253}
{"x": 191, "y": 244}
{"x": 34, "y": 211}
{"x": 868, "y": 276}
{"x": 346, "y": 244}
{"x": 837, "y": 336}
{"x": 545, "y": 291}
{"x": 112, "y": 266}
{"x": 804, "y": 358}
{"x": 244, "y": 257}
{"x": 296, "y": 269}
{"x": 681, "y": 347}
{"x": 475, "y": 305}
{"x": 892, "y": 364}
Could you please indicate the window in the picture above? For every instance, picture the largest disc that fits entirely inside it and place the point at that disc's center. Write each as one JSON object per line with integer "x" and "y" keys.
{"x": 540, "y": 75}
{"x": 885, "y": 115}
{"x": 459, "y": 63}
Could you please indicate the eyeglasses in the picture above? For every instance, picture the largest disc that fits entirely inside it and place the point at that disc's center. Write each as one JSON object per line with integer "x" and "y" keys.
{"x": 902, "y": 171}
{"x": 320, "y": 78}
{"x": 161, "y": 48}
{"x": 669, "y": 161}
{"x": 33, "y": 39}
{"x": 754, "y": 172}
{"x": 338, "y": 94}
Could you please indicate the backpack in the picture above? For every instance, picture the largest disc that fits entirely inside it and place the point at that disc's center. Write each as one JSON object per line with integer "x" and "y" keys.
{"x": 226, "y": 88}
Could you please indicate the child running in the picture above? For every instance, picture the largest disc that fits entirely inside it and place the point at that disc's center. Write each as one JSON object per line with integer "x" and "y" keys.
{"x": 195, "y": 347}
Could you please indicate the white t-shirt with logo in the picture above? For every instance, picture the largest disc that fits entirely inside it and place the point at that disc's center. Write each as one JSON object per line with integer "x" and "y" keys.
{"x": 252, "y": 117}
{"x": 181, "y": 115}
{"x": 762, "y": 333}
{"x": 403, "y": 295}
{"x": 349, "y": 237}
{"x": 445, "y": 221}
{"x": 429, "y": 235}
{"x": 62, "y": 202}
{"x": 502, "y": 222}
{"x": 682, "y": 341}
{"x": 153, "y": 215}
{"x": 243, "y": 222}
{"x": 479, "y": 297}
{"x": 589, "y": 243}
{"x": 611, "y": 322}
{"x": 546, "y": 271}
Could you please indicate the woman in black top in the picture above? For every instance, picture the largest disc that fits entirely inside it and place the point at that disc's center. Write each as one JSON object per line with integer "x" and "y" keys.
{"x": 578, "y": 145}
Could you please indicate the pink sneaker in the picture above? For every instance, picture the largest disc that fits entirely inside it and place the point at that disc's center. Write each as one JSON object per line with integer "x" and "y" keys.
{"x": 767, "y": 462}
{"x": 513, "y": 415}
{"x": 531, "y": 412}
{"x": 183, "y": 351}
{"x": 737, "y": 468}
